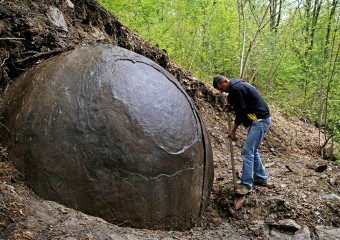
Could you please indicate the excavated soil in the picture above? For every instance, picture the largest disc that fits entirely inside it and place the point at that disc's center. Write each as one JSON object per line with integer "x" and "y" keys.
{"x": 302, "y": 202}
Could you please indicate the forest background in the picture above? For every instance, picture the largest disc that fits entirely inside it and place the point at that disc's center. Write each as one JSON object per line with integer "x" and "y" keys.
{"x": 288, "y": 49}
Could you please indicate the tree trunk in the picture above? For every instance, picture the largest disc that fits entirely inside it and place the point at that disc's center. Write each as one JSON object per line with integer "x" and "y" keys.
{"x": 275, "y": 14}
{"x": 316, "y": 13}
{"x": 241, "y": 7}
{"x": 329, "y": 26}
{"x": 272, "y": 4}
{"x": 252, "y": 43}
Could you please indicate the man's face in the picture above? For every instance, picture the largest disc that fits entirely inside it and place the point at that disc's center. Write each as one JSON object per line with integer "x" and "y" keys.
{"x": 223, "y": 87}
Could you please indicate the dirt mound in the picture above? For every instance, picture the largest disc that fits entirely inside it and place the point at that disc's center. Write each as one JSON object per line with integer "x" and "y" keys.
{"x": 305, "y": 190}
{"x": 32, "y": 31}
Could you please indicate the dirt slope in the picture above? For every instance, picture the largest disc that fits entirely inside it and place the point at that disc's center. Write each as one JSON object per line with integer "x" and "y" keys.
{"x": 305, "y": 188}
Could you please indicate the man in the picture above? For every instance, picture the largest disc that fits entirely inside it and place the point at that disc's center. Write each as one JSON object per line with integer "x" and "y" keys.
{"x": 252, "y": 111}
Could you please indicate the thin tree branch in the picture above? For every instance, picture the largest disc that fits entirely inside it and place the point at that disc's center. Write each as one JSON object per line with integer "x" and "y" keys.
{"x": 5, "y": 127}
{"x": 325, "y": 143}
{"x": 5, "y": 59}
{"x": 39, "y": 55}
{"x": 11, "y": 38}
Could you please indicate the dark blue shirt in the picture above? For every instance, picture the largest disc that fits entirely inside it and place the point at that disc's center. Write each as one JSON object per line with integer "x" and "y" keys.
{"x": 245, "y": 99}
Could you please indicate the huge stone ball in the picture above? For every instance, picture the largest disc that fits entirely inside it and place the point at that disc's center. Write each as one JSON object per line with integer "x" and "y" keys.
{"x": 109, "y": 132}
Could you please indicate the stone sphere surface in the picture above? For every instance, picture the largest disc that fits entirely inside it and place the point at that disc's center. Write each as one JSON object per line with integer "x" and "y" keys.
{"x": 109, "y": 132}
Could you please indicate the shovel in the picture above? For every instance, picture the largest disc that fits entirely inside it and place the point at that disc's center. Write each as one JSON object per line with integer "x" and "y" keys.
{"x": 239, "y": 199}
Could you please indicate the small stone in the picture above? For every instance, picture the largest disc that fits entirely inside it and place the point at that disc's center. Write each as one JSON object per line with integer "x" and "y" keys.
{"x": 70, "y": 4}
{"x": 332, "y": 181}
{"x": 287, "y": 224}
{"x": 327, "y": 232}
{"x": 331, "y": 196}
{"x": 290, "y": 223}
{"x": 90, "y": 237}
{"x": 258, "y": 222}
{"x": 63, "y": 210}
{"x": 278, "y": 235}
{"x": 57, "y": 18}
{"x": 302, "y": 234}
{"x": 238, "y": 175}
{"x": 268, "y": 165}
{"x": 323, "y": 176}
{"x": 28, "y": 235}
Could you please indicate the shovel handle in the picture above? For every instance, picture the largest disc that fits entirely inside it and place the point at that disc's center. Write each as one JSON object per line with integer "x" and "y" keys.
{"x": 231, "y": 153}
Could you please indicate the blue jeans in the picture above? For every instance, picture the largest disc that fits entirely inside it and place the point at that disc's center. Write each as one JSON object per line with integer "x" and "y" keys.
{"x": 252, "y": 164}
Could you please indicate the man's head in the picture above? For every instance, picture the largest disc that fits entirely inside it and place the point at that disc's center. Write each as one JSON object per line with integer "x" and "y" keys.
{"x": 221, "y": 83}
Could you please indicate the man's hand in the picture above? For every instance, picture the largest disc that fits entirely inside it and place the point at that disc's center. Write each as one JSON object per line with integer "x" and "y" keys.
{"x": 232, "y": 132}
{"x": 228, "y": 108}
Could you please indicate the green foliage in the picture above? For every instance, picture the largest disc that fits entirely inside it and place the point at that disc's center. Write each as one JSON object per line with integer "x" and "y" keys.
{"x": 293, "y": 64}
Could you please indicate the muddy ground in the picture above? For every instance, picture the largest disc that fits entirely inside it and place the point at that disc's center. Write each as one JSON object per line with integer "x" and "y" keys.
{"x": 302, "y": 202}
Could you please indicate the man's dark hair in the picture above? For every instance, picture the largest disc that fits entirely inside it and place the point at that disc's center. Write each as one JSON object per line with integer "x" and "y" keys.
{"x": 218, "y": 79}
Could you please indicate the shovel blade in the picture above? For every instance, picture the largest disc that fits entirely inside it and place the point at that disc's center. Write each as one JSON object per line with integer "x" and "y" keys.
{"x": 238, "y": 202}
